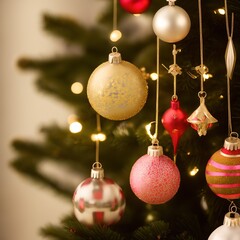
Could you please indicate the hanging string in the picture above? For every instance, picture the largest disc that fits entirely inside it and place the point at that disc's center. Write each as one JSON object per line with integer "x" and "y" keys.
{"x": 228, "y": 78}
{"x": 175, "y": 70}
{"x": 174, "y": 76}
{"x": 97, "y": 163}
{"x": 201, "y": 70}
{"x": 233, "y": 207}
{"x": 155, "y": 141}
{"x": 114, "y": 14}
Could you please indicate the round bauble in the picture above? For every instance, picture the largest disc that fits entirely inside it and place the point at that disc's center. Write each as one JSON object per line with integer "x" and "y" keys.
{"x": 135, "y": 6}
{"x": 171, "y": 23}
{"x": 116, "y": 89}
{"x": 154, "y": 178}
{"x": 98, "y": 200}
{"x": 230, "y": 230}
{"x": 223, "y": 170}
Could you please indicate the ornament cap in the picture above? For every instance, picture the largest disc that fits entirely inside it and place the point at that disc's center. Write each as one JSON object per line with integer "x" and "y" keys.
{"x": 175, "y": 104}
{"x": 155, "y": 151}
{"x": 232, "y": 219}
{"x": 232, "y": 143}
{"x": 231, "y": 147}
{"x": 97, "y": 171}
{"x": 114, "y": 57}
{"x": 171, "y": 2}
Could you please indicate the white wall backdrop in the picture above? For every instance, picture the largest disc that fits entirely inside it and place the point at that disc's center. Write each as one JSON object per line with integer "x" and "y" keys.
{"x": 25, "y": 206}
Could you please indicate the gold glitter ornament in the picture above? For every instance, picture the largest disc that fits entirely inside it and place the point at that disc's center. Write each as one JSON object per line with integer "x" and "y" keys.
{"x": 117, "y": 89}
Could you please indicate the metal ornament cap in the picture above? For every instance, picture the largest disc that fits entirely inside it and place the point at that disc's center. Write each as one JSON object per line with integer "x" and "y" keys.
{"x": 232, "y": 219}
{"x": 231, "y": 147}
{"x": 97, "y": 173}
{"x": 114, "y": 57}
{"x": 155, "y": 151}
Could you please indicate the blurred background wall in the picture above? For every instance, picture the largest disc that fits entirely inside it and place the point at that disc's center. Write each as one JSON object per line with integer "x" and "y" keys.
{"x": 25, "y": 207}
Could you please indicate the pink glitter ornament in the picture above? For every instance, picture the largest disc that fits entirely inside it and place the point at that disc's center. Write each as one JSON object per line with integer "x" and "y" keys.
{"x": 154, "y": 177}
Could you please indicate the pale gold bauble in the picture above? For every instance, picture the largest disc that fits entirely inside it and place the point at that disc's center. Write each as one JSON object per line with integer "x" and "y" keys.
{"x": 116, "y": 89}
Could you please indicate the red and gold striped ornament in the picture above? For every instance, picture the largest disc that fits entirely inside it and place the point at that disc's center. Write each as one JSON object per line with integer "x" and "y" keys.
{"x": 223, "y": 170}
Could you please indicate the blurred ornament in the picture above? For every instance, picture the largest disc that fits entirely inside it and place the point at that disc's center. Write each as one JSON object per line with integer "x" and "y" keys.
{"x": 171, "y": 23}
{"x": 115, "y": 35}
{"x": 135, "y": 6}
{"x": 230, "y": 230}
{"x": 175, "y": 122}
{"x": 154, "y": 178}
{"x": 136, "y": 28}
{"x": 201, "y": 119}
{"x": 116, "y": 89}
{"x": 223, "y": 170}
{"x": 76, "y": 87}
{"x": 98, "y": 200}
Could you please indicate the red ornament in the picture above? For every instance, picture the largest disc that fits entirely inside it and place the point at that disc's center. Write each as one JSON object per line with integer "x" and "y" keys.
{"x": 175, "y": 122}
{"x": 135, "y": 6}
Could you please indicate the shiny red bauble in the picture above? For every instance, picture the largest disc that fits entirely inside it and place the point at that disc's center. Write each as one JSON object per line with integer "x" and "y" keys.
{"x": 135, "y": 6}
{"x": 175, "y": 122}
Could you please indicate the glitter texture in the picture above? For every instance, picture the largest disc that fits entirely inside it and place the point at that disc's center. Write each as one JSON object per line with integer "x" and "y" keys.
{"x": 154, "y": 180}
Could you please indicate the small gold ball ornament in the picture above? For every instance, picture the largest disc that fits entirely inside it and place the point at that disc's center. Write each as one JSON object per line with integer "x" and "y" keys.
{"x": 117, "y": 89}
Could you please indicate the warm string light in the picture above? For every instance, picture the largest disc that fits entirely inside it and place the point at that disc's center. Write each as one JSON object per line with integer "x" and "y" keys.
{"x": 98, "y": 137}
{"x": 74, "y": 125}
{"x": 220, "y": 11}
{"x": 148, "y": 130}
{"x": 154, "y": 76}
{"x": 194, "y": 171}
{"x": 77, "y": 88}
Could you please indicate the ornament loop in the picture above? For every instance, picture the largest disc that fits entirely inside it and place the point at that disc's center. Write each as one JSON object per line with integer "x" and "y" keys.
{"x": 234, "y": 135}
{"x": 114, "y": 56}
{"x": 97, "y": 165}
{"x": 114, "y": 49}
{"x": 232, "y": 207}
{"x": 202, "y": 94}
{"x": 174, "y": 98}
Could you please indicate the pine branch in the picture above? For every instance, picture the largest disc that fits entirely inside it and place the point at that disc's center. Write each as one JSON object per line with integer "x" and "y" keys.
{"x": 154, "y": 231}
{"x": 73, "y": 230}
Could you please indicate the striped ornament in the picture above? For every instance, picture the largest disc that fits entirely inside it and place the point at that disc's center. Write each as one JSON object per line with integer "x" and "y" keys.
{"x": 223, "y": 171}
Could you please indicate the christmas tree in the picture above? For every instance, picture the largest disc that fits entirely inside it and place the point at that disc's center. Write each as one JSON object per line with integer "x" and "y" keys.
{"x": 195, "y": 211}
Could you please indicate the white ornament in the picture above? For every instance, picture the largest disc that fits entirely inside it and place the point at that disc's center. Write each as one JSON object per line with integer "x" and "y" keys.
{"x": 171, "y": 23}
{"x": 230, "y": 230}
